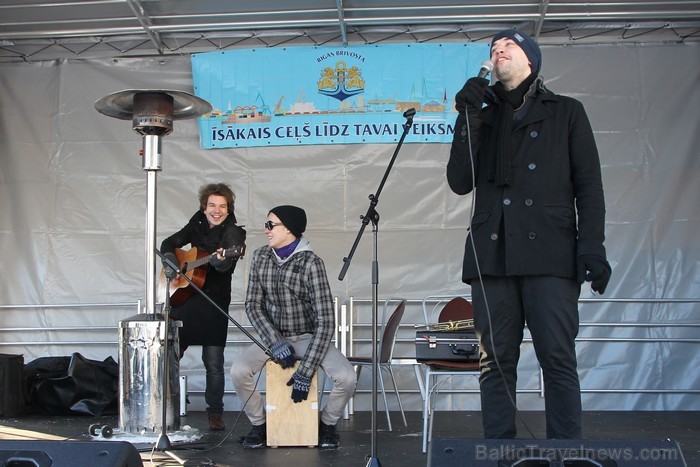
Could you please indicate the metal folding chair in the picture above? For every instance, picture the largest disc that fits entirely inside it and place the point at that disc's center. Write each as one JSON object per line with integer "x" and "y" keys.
{"x": 437, "y": 371}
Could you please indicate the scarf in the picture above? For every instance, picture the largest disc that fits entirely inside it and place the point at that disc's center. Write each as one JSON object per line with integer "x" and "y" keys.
{"x": 502, "y": 143}
{"x": 285, "y": 251}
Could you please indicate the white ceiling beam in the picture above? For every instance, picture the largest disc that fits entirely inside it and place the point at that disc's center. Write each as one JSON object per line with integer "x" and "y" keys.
{"x": 544, "y": 5}
{"x": 145, "y": 22}
{"x": 341, "y": 20}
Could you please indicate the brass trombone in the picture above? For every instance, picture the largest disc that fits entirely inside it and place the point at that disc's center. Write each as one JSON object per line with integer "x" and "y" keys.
{"x": 462, "y": 324}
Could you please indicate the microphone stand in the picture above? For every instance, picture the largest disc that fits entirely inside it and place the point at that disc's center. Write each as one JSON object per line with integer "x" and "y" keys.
{"x": 163, "y": 443}
{"x": 373, "y": 216}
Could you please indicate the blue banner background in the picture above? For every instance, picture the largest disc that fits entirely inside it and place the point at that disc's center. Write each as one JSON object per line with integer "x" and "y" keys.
{"x": 332, "y": 95}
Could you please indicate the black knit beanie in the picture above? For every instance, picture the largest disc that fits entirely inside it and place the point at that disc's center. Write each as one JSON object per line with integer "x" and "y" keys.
{"x": 529, "y": 46}
{"x": 292, "y": 217}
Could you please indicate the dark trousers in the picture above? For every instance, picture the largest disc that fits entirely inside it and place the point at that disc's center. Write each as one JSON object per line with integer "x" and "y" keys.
{"x": 549, "y": 306}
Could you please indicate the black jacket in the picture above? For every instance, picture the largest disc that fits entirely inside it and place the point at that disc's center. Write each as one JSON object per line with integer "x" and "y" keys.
{"x": 202, "y": 323}
{"x": 552, "y": 211}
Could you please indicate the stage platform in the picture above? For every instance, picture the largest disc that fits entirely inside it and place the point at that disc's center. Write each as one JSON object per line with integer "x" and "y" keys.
{"x": 402, "y": 447}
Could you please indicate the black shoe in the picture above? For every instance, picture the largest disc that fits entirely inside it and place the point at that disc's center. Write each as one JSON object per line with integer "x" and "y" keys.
{"x": 328, "y": 438}
{"x": 256, "y": 437}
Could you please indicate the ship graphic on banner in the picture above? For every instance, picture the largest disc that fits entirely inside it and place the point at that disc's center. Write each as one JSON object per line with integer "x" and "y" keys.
{"x": 248, "y": 114}
{"x": 339, "y": 82}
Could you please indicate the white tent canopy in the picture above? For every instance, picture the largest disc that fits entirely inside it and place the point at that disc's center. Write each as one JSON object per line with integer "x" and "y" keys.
{"x": 73, "y": 197}
{"x": 32, "y": 30}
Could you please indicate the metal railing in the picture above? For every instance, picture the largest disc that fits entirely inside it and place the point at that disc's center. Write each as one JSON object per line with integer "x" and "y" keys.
{"x": 350, "y": 334}
{"x": 585, "y": 326}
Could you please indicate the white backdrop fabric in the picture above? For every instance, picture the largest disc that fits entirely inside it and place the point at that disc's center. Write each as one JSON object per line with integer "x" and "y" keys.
{"x": 73, "y": 212}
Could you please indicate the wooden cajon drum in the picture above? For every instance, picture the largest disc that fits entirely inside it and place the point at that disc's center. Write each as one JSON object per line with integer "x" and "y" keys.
{"x": 289, "y": 423}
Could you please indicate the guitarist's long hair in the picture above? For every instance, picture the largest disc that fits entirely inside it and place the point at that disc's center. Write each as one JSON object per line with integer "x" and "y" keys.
{"x": 220, "y": 189}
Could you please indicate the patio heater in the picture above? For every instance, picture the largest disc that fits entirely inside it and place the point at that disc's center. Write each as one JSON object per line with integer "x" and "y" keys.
{"x": 148, "y": 342}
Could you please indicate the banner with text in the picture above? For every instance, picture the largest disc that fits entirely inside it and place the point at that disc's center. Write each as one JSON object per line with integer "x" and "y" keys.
{"x": 332, "y": 95}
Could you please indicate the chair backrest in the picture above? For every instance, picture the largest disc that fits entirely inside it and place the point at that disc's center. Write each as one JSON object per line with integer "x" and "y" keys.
{"x": 434, "y": 304}
{"x": 456, "y": 309}
{"x": 388, "y": 338}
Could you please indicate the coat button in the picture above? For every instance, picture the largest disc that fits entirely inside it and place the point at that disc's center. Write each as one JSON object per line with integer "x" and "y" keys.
{"x": 506, "y": 202}
{"x": 494, "y": 236}
{"x": 534, "y": 134}
{"x": 531, "y": 235}
{"x": 532, "y": 166}
{"x": 528, "y": 202}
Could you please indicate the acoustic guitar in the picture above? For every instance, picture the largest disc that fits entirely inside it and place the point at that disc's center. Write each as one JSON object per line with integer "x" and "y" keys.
{"x": 193, "y": 264}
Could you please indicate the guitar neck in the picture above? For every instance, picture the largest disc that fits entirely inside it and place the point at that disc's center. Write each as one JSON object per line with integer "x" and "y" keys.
{"x": 235, "y": 252}
{"x": 199, "y": 262}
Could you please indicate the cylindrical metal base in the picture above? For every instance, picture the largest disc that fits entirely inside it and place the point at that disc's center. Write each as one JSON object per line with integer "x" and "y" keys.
{"x": 142, "y": 374}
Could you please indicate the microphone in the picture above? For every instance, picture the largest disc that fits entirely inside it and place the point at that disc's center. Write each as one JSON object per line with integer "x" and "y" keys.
{"x": 486, "y": 68}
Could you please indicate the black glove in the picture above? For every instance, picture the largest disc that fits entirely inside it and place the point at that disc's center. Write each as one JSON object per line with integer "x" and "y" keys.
{"x": 471, "y": 96}
{"x": 300, "y": 391}
{"x": 283, "y": 353}
{"x": 169, "y": 272}
{"x": 595, "y": 269}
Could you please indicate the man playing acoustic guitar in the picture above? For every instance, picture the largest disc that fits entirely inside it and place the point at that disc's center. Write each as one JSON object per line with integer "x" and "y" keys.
{"x": 218, "y": 242}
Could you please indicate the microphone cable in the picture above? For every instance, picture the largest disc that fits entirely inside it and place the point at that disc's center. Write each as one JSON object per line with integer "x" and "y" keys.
{"x": 481, "y": 282}
{"x": 228, "y": 435}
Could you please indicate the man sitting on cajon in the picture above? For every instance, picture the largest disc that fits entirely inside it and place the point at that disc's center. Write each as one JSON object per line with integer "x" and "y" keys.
{"x": 289, "y": 303}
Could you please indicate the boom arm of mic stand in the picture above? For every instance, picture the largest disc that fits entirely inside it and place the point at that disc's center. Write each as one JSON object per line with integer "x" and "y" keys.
{"x": 372, "y": 214}
{"x": 203, "y": 294}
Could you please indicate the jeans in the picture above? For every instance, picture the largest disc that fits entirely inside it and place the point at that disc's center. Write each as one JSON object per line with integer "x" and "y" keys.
{"x": 336, "y": 366}
{"x": 213, "y": 360}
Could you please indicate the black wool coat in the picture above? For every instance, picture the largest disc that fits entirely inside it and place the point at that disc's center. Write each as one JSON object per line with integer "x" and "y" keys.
{"x": 553, "y": 209}
{"x": 202, "y": 323}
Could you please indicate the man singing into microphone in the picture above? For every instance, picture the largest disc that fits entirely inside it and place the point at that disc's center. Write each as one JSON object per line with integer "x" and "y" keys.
{"x": 536, "y": 233}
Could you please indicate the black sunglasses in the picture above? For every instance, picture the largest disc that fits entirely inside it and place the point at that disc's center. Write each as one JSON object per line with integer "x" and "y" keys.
{"x": 269, "y": 225}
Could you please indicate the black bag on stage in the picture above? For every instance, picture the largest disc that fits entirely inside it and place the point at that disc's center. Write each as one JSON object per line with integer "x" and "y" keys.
{"x": 11, "y": 388}
{"x": 72, "y": 385}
